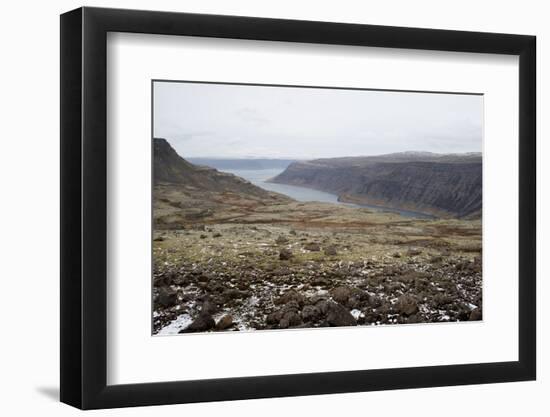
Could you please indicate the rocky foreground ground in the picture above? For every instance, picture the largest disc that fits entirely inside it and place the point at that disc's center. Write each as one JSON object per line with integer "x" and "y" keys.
{"x": 309, "y": 265}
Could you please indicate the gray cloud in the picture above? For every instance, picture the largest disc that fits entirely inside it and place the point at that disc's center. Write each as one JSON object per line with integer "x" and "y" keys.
{"x": 258, "y": 121}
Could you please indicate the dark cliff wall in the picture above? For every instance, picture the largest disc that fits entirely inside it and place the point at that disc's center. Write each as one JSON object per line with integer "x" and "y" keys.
{"x": 453, "y": 188}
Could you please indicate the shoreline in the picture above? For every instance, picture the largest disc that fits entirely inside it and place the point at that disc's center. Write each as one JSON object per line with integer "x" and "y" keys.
{"x": 349, "y": 201}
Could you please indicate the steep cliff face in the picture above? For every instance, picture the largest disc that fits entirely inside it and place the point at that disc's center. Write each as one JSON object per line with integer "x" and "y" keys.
{"x": 445, "y": 185}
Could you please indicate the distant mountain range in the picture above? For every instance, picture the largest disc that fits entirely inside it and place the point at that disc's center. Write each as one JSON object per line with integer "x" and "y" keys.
{"x": 440, "y": 184}
{"x": 242, "y": 163}
{"x": 445, "y": 185}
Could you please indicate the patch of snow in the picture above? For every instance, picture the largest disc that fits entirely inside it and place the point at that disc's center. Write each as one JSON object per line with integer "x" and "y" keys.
{"x": 181, "y": 322}
{"x": 357, "y": 313}
{"x": 244, "y": 328}
{"x": 252, "y": 301}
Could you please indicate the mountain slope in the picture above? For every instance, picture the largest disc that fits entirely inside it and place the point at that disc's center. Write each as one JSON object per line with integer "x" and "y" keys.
{"x": 186, "y": 194}
{"x": 170, "y": 168}
{"x": 441, "y": 184}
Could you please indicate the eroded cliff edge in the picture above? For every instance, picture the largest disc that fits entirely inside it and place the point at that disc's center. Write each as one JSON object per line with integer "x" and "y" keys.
{"x": 446, "y": 185}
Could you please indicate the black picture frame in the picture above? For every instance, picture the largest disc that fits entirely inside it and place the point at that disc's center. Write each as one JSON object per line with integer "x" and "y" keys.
{"x": 84, "y": 207}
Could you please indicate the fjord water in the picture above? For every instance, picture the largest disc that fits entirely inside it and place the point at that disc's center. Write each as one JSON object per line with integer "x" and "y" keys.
{"x": 261, "y": 176}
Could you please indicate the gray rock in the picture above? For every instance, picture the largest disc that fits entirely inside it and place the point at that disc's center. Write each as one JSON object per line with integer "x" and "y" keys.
{"x": 167, "y": 297}
{"x": 310, "y": 313}
{"x": 202, "y": 323}
{"x": 373, "y": 301}
{"x": 320, "y": 281}
{"x": 274, "y": 317}
{"x": 354, "y": 301}
{"x": 406, "y": 305}
{"x": 290, "y": 296}
{"x": 285, "y": 254}
{"x": 331, "y": 251}
{"x": 338, "y": 315}
{"x": 281, "y": 240}
{"x": 341, "y": 294}
{"x": 312, "y": 247}
{"x": 413, "y": 252}
{"x": 202, "y": 278}
{"x": 290, "y": 319}
{"x": 475, "y": 315}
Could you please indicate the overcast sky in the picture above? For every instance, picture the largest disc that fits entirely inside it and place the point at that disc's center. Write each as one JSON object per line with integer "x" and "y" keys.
{"x": 235, "y": 121}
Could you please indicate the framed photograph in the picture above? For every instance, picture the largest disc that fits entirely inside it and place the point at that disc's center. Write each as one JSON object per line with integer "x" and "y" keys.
{"x": 257, "y": 208}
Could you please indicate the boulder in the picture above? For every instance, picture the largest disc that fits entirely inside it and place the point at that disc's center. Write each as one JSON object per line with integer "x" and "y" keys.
{"x": 310, "y": 313}
{"x": 414, "y": 252}
{"x": 475, "y": 315}
{"x": 406, "y": 305}
{"x": 441, "y": 300}
{"x": 285, "y": 254}
{"x": 289, "y": 297}
{"x": 202, "y": 323}
{"x": 274, "y": 317}
{"x": 341, "y": 294}
{"x": 179, "y": 279}
{"x": 331, "y": 251}
{"x": 225, "y": 322}
{"x": 312, "y": 247}
{"x": 320, "y": 281}
{"x": 290, "y": 319}
{"x": 281, "y": 240}
{"x": 167, "y": 297}
{"x": 314, "y": 299}
{"x": 202, "y": 278}
{"x": 354, "y": 301}
{"x": 373, "y": 301}
{"x": 338, "y": 315}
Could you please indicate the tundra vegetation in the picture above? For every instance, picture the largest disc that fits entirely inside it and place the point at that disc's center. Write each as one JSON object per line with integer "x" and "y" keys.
{"x": 230, "y": 256}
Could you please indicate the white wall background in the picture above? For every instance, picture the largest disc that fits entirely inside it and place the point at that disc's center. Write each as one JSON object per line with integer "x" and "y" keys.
{"x": 29, "y": 212}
